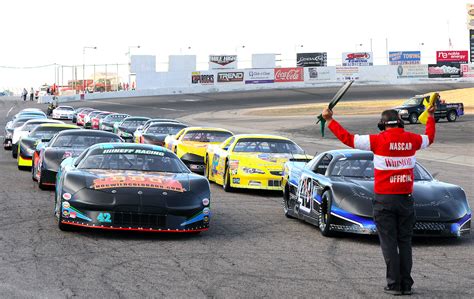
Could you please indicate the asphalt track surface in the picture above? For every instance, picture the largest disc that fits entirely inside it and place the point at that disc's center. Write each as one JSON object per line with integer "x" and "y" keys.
{"x": 251, "y": 250}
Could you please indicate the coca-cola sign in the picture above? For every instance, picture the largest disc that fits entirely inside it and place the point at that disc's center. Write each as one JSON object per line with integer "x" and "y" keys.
{"x": 311, "y": 59}
{"x": 452, "y": 56}
{"x": 289, "y": 74}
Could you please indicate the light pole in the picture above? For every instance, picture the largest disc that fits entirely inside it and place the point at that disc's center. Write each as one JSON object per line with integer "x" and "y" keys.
{"x": 130, "y": 61}
{"x": 84, "y": 65}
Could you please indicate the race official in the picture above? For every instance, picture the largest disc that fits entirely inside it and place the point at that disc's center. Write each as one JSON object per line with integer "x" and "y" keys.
{"x": 394, "y": 214}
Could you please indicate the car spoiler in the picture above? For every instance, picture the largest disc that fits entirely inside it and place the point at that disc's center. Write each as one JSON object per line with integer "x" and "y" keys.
{"x": 300, "y": 159}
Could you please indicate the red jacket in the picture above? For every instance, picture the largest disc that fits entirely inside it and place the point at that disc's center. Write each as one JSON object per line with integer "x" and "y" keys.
{"x": 394, "y": 154}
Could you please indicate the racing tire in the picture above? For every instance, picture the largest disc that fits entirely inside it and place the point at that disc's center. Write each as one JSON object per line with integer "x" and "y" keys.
{"x": 14, "y": 153}
{"x": 413, "y": 118}
{"x": 226, "y": 182}
{"x": 286, "y": 199}
{"x": 325, "y": 217}
{"x": 41, "y": 185}
{"x": 33, "y": 173}
{"x": 26, "y": 168}
{"x": 452, "y": 116}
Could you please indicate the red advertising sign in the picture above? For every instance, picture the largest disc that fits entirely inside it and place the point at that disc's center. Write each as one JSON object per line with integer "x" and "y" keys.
{"x": 289, "y": 74}
{"x": 452, "y": 56}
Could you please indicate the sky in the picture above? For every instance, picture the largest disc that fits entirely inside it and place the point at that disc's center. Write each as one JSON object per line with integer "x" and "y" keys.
{"x": 44, "y": 32}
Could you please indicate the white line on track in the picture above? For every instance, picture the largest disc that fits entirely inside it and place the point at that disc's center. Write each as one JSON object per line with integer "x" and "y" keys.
{"x": 191, "y": 100}
{"x": 10, "y": 110}
{"x": 171, "y": 109}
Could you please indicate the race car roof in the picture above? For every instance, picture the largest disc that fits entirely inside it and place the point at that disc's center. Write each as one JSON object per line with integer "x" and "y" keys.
{"x": 87, "y": 133}
{"x": 125, "y": 145}
{"x": 263, "y": 136}
{"x": 58, "y": 125}
{"x": 188, "y": 129}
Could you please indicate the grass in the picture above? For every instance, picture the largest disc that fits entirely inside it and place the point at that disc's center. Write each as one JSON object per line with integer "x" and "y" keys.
{"x": 465, "y": 95}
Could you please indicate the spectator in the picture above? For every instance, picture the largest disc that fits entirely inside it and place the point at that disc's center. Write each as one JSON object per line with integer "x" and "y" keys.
{"x": 24, "y": 94}
{"x": 32, "y": 94}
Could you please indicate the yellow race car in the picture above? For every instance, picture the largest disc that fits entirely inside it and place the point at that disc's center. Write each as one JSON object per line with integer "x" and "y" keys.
{"x": 190, "y": 144}
{"x": 40, "y": 134}
{"x": 251, "y": 161}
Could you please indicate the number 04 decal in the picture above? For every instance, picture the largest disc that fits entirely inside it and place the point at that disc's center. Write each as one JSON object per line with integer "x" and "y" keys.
{"x": 104, "y": 217}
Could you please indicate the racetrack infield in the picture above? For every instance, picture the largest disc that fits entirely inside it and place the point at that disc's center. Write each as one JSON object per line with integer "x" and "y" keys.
{"x": 251, "y": 250}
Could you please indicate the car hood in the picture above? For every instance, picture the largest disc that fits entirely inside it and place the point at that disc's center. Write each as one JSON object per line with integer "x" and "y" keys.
{"x": 264, "y": 159}
{"x": 434, "y": 200}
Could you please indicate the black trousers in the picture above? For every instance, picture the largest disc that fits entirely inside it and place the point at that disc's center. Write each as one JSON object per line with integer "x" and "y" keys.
{"x": 394, "y": 216}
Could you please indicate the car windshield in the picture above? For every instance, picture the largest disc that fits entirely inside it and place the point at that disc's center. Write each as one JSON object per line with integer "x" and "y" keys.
{"x": 133, "y": 123}
{"x": 413, "y": 102}
{"x": 65, "y": 108}
{"x": 267, "y": 145}
{"x": 115, "y": 117}
{"x": 82, "y": 141}
{"x": 165, "y": 129}
{"x": 18, "y": 123}
{"x": 133, "y": 159}
{"x": 93, "y": 114}
{"x": 45, "y": 133}
{"x": 206, "y": 136}
{"x": 364, "y": 168}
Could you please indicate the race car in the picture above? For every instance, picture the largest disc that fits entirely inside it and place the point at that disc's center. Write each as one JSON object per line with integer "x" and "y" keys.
{"x": 95, "y": 121}
{"x": 334, "y": 191}
{"x": 63, "y": 112}
{"x": 41, "y": 133}
{"x": 25, "y": 129}
{"x": 190, "y": 144}
{"x": 70, "y": 143}
{"x": 138, "y": 132}
{"x": 107, "y": 123}
{"x": 88, "y": 118}
{"x": 16, "y": 123}
{"x": 156, "y": 133}
{"x": 127, "y": 127}
{"x": 77, "y": 111}
{"x": 135, "y": 187}
{"x": 80, "y": 118}
{"x": 250, "y": 161}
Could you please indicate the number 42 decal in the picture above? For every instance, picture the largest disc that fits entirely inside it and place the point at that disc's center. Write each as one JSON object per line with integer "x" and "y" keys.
{"x": 104, "y": 217}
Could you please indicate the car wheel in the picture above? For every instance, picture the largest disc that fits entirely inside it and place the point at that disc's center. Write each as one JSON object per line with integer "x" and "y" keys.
{"x": 33, "y": 172}
{"x": 41, "y": 185}
{"x": 286, "y": 203}
{"x": 436, "y": 119}
{"x": 452, "y": 116}
{"x": 226, "y": 184}
{"x": 14, "y": 152}
{"x": 24, "y": 168}
{"x": 413, "y": 118}
{"x": 325, "y": 217}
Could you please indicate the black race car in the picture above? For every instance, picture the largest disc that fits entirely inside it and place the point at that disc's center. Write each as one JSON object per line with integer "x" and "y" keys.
{"x": 157, "y": 132}
{"x": 334, "y": 191}
{"x": 107, "y": 123}
{"x": 138, "y": 187}
{"x": 127, "y": 127}
{"x": 70, "y": 143}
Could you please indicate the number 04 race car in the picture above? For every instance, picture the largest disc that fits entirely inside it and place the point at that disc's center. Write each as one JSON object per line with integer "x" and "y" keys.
{"x": 335, "y": 191}
{"x": 138, "y": 187}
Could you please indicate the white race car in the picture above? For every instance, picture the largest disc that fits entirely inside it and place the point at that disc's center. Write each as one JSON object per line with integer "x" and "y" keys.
{"x": 63, "y": 112}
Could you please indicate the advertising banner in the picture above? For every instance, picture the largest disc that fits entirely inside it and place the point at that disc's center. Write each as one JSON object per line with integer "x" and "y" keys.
{"x": 312, "y": 59}
{"x": 357, "y": 58}
{"x": 230, "y": 77}
{"x": 404, "y": 57}
{"x": 452, "y": 56}
{"x": 289, "y": 74}
{"x": 259, "y": 76}
{"x": 346, "y": 73}
{"x": 412, "y": 71}
{"x": 444, "y": 70}
{"x": 467, "y": 70}
{"x": 471, "y": 44}
{"x": 222, "y": 62}
{"x": 202, "y": 78}
{"x": 314, "y": 74}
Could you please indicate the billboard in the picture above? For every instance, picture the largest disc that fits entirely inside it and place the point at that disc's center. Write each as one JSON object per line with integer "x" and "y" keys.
{"x": 412, "y": 71}
{"x": 230, "y": 77}
{"x": 202, "y": 78}
{"x": 259, "y": 76}
{"x": 471, "y": 43}
{"x": 452, "y": 56}
{"x": 404, "y": 57}
{"x": 289, "y": 74}
{"x": 357, "y": 58}
{"x": 314, "y": 74}
{"x": 467, "y": 70}
{"x": 222, "y": 62}
{"x": 470, "y": 16}
{"x": 444, "y": 70}
{"x": 346, "y": 73}
{"x": 312, "y": 59}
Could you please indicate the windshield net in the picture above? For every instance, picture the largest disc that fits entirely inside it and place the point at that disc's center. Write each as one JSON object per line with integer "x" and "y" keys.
{"x": 133, "y": 123}
{"x": 360, "y": 168}
{"x": 267, "y": 146}
{"x": 83, "y": 141}
{"x": 133, "y": 159}
{"x": 206, "y": 136}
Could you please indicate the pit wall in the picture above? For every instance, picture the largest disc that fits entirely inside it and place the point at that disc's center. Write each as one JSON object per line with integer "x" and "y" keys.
{"x": 151, "y": 83}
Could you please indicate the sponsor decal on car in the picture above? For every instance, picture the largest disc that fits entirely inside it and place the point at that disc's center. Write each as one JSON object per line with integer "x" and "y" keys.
{"x": 134, "y": 181}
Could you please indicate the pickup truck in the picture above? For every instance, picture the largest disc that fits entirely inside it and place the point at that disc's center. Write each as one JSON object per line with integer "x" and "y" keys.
{"x": 413, "y": 107}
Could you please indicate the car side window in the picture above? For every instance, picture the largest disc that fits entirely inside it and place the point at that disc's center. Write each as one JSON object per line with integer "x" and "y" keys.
{"x": 227, "y": 143}
{"x": 179, "y": 134}
{"x": 322, "y": 165}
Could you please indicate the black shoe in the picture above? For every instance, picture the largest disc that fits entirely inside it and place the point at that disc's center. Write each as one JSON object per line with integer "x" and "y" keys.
{"x": 392, "y": 291}
{"x": 407, "y": 291}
